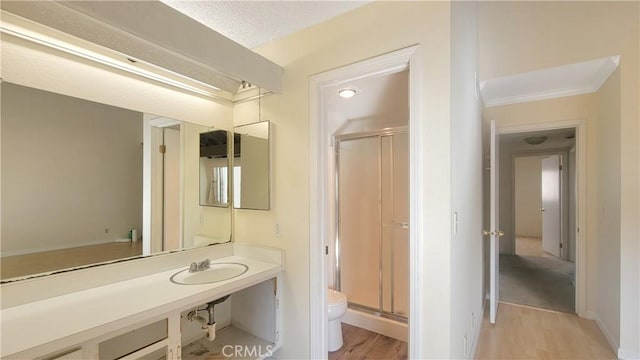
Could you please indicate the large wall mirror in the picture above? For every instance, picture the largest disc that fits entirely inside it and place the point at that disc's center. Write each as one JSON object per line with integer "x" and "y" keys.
{"x": 251, "y": 178}
{"x": 73, "y": 177}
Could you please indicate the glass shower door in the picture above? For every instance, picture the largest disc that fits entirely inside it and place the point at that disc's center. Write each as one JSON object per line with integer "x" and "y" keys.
{"x": 359, "y": 224}
{"x": 373, "y": 231}
{"x": 395, "y": 219}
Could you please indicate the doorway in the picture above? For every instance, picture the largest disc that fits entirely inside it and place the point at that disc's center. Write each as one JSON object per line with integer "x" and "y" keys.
{"x": 323, "y": 179}
{"x": 537, "y": 259}
{"x": 162, "y": 214}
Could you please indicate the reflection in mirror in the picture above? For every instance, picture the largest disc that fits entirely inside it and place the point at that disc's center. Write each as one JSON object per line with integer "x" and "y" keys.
{"x": 214, "y": 166}
{"x": 72, "y": 184}
{"x": 251, "y": 166}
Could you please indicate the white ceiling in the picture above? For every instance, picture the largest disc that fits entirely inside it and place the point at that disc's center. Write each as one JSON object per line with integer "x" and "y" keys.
{"x": 255, "y": 23}
{"x": 557, "y": 139}
{"x": 380, "y": 102}
{"x": 573, "y": 79}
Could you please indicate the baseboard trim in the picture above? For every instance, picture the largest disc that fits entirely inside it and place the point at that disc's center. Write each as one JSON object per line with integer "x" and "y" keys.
{"x": 60, "y": 247}
{"x": 535, "y": 308}
{"x": 627, "y": 354}
{"x": 590, "y": 314}
{"x": 377, "y": 324}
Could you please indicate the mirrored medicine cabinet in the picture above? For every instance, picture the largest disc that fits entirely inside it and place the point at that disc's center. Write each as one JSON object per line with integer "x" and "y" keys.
{"x": 250, "y": 164}
{"x": 214, "y": 168}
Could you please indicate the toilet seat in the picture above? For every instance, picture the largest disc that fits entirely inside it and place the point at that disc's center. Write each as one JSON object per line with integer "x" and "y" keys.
{"x": 335, "y": 298}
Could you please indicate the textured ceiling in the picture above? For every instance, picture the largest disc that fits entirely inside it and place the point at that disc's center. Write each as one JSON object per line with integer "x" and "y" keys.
{"x": 254, "y": 23}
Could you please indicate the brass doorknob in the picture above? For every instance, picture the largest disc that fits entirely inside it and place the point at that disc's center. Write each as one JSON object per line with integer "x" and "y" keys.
{"x": 499, "y": 233}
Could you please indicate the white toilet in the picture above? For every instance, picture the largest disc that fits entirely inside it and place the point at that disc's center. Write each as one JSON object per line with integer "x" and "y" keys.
{"x": 337, "y": 306}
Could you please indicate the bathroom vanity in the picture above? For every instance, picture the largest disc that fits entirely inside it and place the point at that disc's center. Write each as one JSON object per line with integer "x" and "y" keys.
{"x": 145, "y": 317}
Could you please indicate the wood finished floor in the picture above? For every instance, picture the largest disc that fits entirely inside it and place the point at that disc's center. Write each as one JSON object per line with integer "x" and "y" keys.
{"x": 21, "y": 265}
{"x": 364, "y": 344}
{"x": 529, "y": 333}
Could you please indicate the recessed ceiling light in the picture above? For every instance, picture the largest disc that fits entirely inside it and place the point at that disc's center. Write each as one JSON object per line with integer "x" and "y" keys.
{"x": 346, "y": 93}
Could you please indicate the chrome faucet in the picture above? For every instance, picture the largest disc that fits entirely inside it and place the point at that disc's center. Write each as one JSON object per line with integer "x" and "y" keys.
{"x": 199, "y": 266}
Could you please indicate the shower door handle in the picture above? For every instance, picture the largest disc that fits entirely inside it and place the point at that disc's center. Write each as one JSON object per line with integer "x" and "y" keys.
{"x": 401, "y": 225}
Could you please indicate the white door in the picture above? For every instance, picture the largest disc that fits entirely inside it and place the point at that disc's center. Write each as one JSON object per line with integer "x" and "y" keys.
{"x": 493, "y": 232}
{"x": 171, "y": 191}
{"x": 551, "y": 205}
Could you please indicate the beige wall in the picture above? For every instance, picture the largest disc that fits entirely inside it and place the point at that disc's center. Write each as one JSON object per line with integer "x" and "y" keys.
{"x": 381, "y": 27}
{"x": 528, "y": 196}
{"x": 71, "y": 168}
{"x": 518, "y": 37}
{"x": 467, "y": 295}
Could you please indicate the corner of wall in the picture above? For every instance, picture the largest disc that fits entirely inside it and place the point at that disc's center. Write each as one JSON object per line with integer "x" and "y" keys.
{"x": 590, "y": 314}
{"x": 476, "y": 335}
{"x": 625, "y": 354}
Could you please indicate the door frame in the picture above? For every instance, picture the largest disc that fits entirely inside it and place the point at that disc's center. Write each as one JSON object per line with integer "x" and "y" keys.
{"x": 493, "y": 230}
{"x": 321, "y": 221}
{"x": 152, "y": 174}
{"x": 581, "y": 199}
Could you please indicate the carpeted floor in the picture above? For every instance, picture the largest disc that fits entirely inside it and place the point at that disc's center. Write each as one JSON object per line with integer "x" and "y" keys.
{"x": 540, "y": 281}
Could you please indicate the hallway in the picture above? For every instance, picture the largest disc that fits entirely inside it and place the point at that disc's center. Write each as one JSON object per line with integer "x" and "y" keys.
{"x": 526, "y": 333}
{"x": 535, "y": 278}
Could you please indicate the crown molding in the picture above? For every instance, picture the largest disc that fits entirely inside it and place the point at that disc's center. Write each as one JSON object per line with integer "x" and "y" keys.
{"x": 579, "y": 78}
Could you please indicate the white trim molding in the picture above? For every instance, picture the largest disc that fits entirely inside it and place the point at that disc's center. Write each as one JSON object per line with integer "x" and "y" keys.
{"x": 62, "y": 246}
{"x": 592, "y": 315}
{"x": 627, "y": 355}
{"x": 567, "y": 80}
{"x": 320, "y": 178}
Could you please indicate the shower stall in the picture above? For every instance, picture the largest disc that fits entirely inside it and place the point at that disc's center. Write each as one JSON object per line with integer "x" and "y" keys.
{"x": 372, "y": 229}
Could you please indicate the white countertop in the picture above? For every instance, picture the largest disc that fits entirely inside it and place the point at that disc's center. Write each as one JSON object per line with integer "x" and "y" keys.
{"x": 86, "y": 314}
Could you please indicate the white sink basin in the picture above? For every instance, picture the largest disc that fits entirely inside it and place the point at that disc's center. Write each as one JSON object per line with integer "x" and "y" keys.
{"x": 217, "y": 272}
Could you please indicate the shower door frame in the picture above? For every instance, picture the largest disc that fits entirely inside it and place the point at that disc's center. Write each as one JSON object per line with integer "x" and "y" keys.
{"x": 337, "y": 139}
